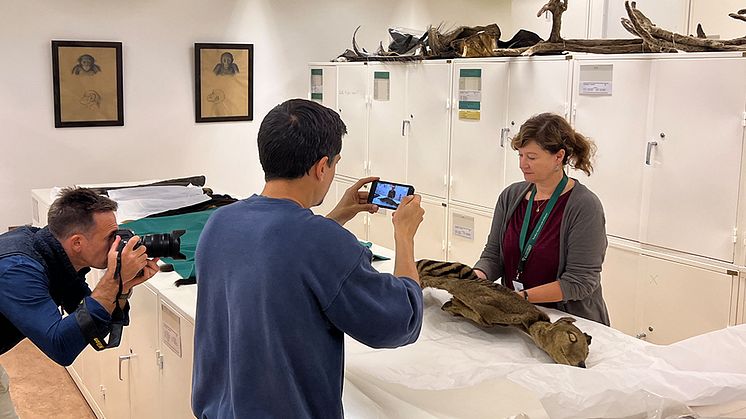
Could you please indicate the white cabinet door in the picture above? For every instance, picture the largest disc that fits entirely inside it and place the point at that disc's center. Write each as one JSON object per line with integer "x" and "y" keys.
{"x": 610, "y": 107}
{"x": 428, "y": 111}
{"x": 697, "y": 124}
{"x": 115, "y": 379}
{"x": 619, "y": 280}
{"x": 429, "y": 242}
{"x": 323, "y": 85}
{"x": 477, "y": 141}
{"x": 467, "y": 234}
{"x": 680, "y": 301}
{"x": 387, "y": 139}
{"x": 143, "y": 366}
{"x": 381, "y": 229}
{"x": 358, "y": 225}
{"x": 574, "y": 20}
{"x": 536, "y": 86}
{"x": 352, "y": 105}
{"x": 178, "y": 354}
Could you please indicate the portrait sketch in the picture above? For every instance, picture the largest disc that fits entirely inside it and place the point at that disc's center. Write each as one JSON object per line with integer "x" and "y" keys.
{"x": 224, "y": 84}
{"x": 87, "y": 83}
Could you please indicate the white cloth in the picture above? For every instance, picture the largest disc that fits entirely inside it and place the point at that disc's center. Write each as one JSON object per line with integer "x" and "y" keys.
{"x": 136, "y": 203}
{"x": 625, "y": 376}
{"x": 7, "y": 411}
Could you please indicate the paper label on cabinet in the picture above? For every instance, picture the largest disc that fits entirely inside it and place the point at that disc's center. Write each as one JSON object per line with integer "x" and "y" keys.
{"x": 171, "y": 330}
{"x": 595, "y": 88}
{"x": 317, "y": 84}
{"x": 596, "y": 80}
{"x": 469, "y": 93}
{"x": 475, "y": 115}
{"x": 463, "y": 226}
{"x": 381, "y": 86}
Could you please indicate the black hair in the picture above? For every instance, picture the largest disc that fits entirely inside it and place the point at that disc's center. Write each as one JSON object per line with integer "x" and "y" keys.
{"x": 295, "y": 135}
{"x": 72, "y": 212}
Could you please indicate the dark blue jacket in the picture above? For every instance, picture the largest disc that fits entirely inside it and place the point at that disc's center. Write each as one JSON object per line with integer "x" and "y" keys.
{"x": 36, "y": 278}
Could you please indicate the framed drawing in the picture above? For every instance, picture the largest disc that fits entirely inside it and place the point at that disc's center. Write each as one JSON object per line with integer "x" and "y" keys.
{"x": 87, "y": 80}
{"x": 224, "y": 82}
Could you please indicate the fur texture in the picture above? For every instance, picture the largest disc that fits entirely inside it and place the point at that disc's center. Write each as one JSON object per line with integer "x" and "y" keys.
{"x": 489, "y": 304}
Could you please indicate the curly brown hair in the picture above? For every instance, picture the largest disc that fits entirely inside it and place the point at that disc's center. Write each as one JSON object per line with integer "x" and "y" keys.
{"x": 553, "y": 133}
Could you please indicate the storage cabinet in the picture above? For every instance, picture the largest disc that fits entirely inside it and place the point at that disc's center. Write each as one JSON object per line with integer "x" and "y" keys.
{"x": 478, "y": 136}
{"x": 468, "y": 229}
{"x": 663, "y": 298}
{"x": 610, "y": 107}
{"x": 429, "y": 241}
{"x": 176, "y": 358}
{"x": 352, "y": 105}
{"x": 144, "y": 377}
{"x": 695, "y": 140}
{"x": 680, "y": 301}
{"x": 397, "y": 119}
{"x": 323, "y": 84}
{"x": 537, "y": 85}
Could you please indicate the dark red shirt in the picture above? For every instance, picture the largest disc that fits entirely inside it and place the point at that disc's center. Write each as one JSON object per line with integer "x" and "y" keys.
{"x": 543, "y": 261}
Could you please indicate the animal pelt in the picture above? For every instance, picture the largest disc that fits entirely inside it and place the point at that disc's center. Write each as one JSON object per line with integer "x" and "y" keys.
{"x": 489, "y": 304}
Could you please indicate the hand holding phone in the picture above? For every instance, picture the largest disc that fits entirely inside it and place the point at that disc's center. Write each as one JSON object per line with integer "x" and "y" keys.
{"x": 388, "y": 194}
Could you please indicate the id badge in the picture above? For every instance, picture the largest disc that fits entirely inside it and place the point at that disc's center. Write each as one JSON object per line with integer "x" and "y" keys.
{"x": 518, "y": 286}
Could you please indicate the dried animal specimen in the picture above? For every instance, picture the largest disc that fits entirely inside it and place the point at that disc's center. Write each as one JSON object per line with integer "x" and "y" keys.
{"x": 489, "y": 304}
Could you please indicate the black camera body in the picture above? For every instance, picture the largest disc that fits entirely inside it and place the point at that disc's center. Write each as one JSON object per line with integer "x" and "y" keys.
{"x": 160, "y": 245}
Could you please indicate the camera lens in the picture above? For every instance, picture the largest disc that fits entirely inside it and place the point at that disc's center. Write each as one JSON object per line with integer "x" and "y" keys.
{"x": 166, "y": 245}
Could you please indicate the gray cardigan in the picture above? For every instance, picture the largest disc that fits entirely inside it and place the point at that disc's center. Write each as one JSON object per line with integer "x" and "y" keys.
{"x": 582, "y": 249}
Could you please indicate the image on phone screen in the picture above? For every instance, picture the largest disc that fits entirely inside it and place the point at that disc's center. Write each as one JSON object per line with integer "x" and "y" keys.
{"x": 387, "y": 194}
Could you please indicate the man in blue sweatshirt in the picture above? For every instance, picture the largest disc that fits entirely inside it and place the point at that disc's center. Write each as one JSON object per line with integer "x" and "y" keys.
{"x": 279, "y": 287}
{"x": 44, "y": 269}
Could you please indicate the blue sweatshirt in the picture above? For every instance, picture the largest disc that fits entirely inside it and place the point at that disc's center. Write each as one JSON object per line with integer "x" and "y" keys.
{"x": 278, "y": 287}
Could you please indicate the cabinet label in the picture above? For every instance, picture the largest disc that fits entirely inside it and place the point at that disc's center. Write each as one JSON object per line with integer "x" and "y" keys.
{"x": 171, "y": 330}
{"x": 463, "y": 226}
{"x": 317, "y": 84}
{"x": 470, "y": 93}
{"x": 381, "y": 86}
{"x": 596, "y": 80}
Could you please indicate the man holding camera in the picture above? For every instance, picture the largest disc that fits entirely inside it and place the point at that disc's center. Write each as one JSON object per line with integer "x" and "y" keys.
{"x": 279, "y": 287}
{"x": 44, "y": 269}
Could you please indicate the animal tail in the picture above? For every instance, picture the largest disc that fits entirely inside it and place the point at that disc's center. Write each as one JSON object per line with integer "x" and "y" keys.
{"x": 427, "y": 267}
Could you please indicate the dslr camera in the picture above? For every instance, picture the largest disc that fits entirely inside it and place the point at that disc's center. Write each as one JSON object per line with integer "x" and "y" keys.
{"x": 160, "y": 245}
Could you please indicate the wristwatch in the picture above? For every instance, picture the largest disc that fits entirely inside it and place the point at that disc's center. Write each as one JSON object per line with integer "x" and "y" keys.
{"x": 125, "y": 296}
{"x": 525, "y": 294}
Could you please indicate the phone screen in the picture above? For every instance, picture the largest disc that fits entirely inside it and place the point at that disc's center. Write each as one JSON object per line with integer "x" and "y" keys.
{"x": 388, "y": 194}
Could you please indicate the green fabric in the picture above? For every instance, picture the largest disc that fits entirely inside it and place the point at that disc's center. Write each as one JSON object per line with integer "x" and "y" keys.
{"x": 192, "y": 222}
{"x": 375, "y": 256}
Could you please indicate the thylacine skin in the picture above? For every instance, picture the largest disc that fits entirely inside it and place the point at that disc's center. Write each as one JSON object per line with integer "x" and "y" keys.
{"x": 489, "y": 304}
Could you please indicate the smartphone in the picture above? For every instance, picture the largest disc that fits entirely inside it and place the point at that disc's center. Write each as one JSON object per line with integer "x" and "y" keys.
{"x": 388, "y": 194}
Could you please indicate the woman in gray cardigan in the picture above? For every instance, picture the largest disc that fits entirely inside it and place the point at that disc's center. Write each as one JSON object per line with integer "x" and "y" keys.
{"x": 548, "y": 237}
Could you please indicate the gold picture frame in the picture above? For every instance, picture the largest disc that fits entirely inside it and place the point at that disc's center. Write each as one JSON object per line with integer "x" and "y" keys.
{"x": 87, "y": 82}
{"x": 224, "y": 82}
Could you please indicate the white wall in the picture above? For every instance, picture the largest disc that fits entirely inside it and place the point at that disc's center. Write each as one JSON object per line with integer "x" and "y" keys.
{"x": 160, "y": 138}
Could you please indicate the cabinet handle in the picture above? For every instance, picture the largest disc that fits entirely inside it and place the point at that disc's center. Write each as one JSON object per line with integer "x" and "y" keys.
{"x": 649, "y": 151}
{"x": 503, "y": 135}
{"x": 404, "y": 123}
{"x": 124, "y": 358}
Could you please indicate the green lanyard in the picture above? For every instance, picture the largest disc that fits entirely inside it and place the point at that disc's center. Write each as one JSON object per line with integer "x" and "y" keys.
{"x": 526, "y": 247}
